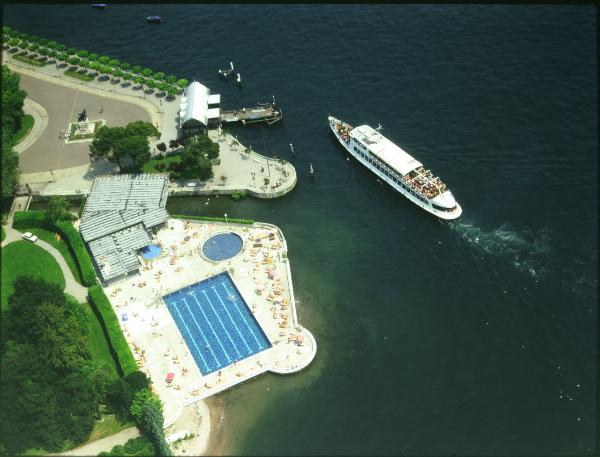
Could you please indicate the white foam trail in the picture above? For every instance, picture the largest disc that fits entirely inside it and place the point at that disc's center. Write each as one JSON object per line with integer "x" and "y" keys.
{"x": 528, "y": 251}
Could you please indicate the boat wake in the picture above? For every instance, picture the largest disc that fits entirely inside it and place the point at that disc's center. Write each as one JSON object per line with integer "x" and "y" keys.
{"x": 528, "y": 251}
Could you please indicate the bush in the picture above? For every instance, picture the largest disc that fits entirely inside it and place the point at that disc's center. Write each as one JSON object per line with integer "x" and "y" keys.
{"x": 73, "y": 239}
{"x": 110, "y": 324}
{"x": 238, "y": 195}
{"x": 213, "y": 219}
{"x": 29, "y": 219}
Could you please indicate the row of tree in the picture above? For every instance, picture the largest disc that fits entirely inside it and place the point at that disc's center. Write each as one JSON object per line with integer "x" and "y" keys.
{"x": 42, "y": 48}
{"x": 12, "y": 116}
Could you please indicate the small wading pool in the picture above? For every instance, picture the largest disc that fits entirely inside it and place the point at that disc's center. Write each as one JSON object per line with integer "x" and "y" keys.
{"x": 222, "y": 246}
{"x": 150, "y": 252}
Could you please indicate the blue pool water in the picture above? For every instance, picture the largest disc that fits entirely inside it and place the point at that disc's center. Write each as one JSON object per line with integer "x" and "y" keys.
{"x": 222, "y": 246}
{"x": 150, "y": 252}
{"x": 216, "y": 323}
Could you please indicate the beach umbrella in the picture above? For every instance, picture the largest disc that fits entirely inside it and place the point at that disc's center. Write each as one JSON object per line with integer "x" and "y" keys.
{"x": 170, "y": 377}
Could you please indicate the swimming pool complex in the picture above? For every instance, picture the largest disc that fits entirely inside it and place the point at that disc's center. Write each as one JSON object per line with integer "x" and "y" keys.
{"x": 222, "y": 246}
{"x": 216, "y": 323}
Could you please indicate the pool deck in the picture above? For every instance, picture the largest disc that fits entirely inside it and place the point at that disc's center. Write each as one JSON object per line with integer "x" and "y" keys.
{"x": 154, "y": 337}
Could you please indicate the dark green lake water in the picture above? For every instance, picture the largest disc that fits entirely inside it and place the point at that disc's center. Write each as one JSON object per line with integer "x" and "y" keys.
{"x": 475, "y": 337}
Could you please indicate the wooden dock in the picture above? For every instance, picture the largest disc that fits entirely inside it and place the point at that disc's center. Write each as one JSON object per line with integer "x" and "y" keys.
{"x": 263, "y": 112}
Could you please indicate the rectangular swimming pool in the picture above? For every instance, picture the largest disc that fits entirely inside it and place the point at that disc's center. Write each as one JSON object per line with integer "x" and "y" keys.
{"x": 216, "y": 323}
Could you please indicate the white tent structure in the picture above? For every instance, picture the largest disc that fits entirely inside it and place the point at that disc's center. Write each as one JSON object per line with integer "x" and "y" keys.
{"x": 198, "y": 109}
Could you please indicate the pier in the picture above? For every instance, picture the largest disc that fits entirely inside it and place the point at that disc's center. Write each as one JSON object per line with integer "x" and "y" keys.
{"x": 263, "y": 112}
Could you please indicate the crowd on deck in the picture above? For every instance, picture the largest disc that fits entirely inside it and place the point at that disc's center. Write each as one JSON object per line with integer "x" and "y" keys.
{"x": 424, "y": 182}
{"x": 344, "y": 131}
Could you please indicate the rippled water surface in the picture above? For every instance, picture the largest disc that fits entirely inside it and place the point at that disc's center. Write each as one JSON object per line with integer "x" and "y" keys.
{"x": 476, "y": 336}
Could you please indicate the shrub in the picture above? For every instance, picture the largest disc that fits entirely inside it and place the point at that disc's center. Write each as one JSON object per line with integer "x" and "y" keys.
{"x": 29, "y": 219}
{"x": 238, "y": 195}
{"x": 162, "y": 147}
{"x": 110, "y": 324}
{"x": 231, "y": 220}
{"x": 73, "y": 239}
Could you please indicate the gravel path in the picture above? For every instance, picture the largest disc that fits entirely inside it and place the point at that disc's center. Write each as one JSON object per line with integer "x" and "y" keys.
{"x": 104, "y": 444}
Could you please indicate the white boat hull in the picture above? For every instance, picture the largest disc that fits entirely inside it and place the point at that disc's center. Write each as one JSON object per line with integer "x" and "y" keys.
{"x": 397, "y": 186}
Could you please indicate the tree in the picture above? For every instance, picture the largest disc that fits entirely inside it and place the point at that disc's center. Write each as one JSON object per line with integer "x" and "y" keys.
{"x": 159, "y": 76}
{"x": 52, "y": 44}
{"x": 83, "y": 53}
{"x": 12, "y": 101}
{"x": 147, "y": 72}
{"x": 10, "y": 166}
{"x": 94, "y": 65}
{"x": 173, "y": 144}
{"x": 114, "y": 62}
{"x": 71, "y": 51}
{"x": 85, "y": 63}
{"x": 134, "y": 148}
{"x": 137, "y": 381}
{"x": 74, "y": 60}
{"x": 63, "y": 56}
{"x": 58, "y": 210}
{"x": 182, "y": 83}
{"x": 103, "y": 59}
{"x": 119, "y": 398}
{"x": 125, "y": 66}
{"x": 163, "y": 86}
{"x": 172, "y": 90}
{"x": 57, "y": 337}
{"x": 141, "y": 128}
{"x": 171, "y": 79}
{"x": 162, "y": 147}
{"x": 105, "y": 69}
{"x": 151, "y": 83}
{"x": 93, "y": 57}
{"x": 61, "y": 48}
{"x": 136, "y": 69}
{"x": 117, "y": 73}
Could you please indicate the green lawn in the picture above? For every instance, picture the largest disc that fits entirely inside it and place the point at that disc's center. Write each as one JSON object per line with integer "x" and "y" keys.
{"x": 109, "y": 425}
{"x": 26, "y": 126}
{"x": 80, "y": 76}
{"x": 60, "y": 245}
{"x": 25, "y": 258}
{"x": 98, "y": 345}
{"x": 149, "y": 166}
{"x": 30, "y": 60}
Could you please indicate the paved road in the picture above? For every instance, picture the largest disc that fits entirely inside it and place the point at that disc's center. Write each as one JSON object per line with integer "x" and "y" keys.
{"x": 104, "y": 444}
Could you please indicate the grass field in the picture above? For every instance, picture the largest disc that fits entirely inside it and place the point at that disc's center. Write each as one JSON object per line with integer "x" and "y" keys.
{"x": 98, "y": 345}
{"x": 80, "y": 76}
{"x": 60, "y": 245}
{"x": 26, "y": 126}
{"x": 25, "y": 258}
{"x": 149, "y": 167}
{"x": 30, "y": 60}
{"x": 109, "y": 425}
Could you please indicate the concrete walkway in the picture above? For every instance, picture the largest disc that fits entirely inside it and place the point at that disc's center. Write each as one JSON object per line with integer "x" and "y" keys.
{"x": 72, "y": 287}
{"x": 104, "y": 444}
{"x": 40, "y": 119}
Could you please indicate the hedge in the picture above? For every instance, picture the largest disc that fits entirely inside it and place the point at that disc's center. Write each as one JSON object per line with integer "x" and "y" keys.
{"x": 73, "y": 239}
{"x": 37, "y": 219}
{"x": 110, "y": 324}
{"x": 29, "y": 219}
{"x": 213, "y": 219}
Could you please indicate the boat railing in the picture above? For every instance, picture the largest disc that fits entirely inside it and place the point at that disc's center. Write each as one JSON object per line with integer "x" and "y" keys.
{"x": 423, "y": 182}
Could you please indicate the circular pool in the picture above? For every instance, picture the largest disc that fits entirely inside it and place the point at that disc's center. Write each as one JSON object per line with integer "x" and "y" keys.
{"x": 222, "y": 246}
{"x": 150, "y": 252}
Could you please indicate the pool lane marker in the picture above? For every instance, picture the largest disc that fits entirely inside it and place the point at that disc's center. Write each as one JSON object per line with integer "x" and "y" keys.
{"x": 191, "y": 336}
{"x": 220, "y": 321}
{"x": 212, "y": 329}
{"x": 232, "y": 321}
{"x": 260, "y": 346}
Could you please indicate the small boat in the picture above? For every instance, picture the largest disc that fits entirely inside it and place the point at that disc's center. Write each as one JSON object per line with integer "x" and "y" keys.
{"x": 312, "y": 171}
{"x": 239, "y": 79}
{"x": 154, "y": 19}
{"x": 100, "y": 6}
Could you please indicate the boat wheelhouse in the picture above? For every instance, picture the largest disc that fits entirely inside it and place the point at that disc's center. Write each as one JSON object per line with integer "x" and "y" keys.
{"x": 397, "y": 168}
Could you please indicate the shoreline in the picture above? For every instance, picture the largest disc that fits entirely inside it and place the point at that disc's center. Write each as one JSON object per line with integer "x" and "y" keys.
{"x": 214, "y": 444}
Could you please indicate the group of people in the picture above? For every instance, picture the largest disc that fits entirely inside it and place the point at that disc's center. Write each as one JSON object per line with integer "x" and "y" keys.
{"x": 424, "y": 182}
{"x": 344, "y": 132}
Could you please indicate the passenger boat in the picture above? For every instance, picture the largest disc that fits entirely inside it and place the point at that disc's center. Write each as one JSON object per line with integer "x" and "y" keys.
{"x": 100, "y": 6}
{"x": 396, "y": 167}
{"x": 154, "y": 19}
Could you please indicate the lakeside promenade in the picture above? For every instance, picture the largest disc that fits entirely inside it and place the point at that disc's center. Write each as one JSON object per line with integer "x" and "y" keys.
{"x": 237, "y": 170}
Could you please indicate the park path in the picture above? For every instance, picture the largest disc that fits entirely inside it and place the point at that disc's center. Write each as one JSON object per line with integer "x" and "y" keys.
{"x": 104, "y": 444}
{"x": 71, "y": 285}
{"x": 40, "y": 122}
